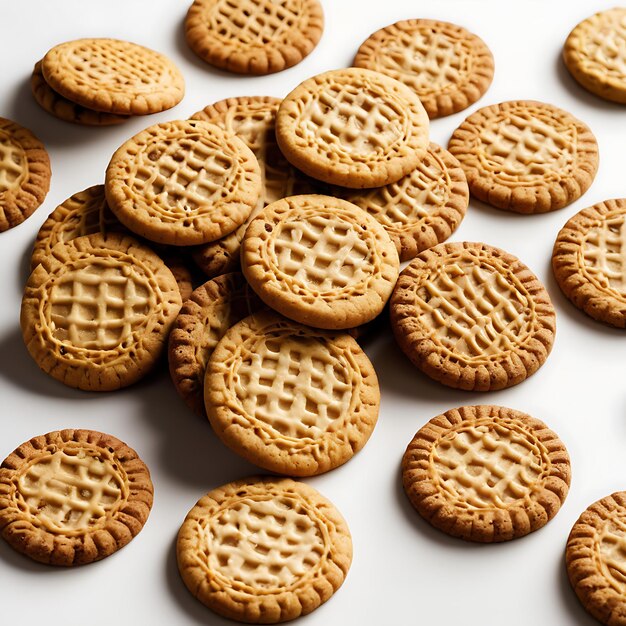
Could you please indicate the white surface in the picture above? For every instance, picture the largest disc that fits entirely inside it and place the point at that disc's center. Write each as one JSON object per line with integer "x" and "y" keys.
{"x": 403, "y": 569}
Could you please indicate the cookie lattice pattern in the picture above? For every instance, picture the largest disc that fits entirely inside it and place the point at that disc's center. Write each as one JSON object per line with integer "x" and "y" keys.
{"x": 603, "y": 48}
{"x": 13, "y": 164}
{"x": 611, "y": 550}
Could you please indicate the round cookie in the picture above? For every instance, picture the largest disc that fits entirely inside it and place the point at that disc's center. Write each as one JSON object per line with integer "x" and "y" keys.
{"x": 472, "y": 316}
{"x": 486, "y": 473}
{"x": 353, "y": 127}
{"x": 525, "y": 156}
{"x": 595, "y": 54}
{"x": 72, "y": 497}
{"x": 96, "y": 312}
{"x": 203, "y": 320}
{"x": 589, "y": 261}
{"x": 320, "y": 261}
{"x": 113, "y": 76}
{"x": 423, "y": 208}
{"x": 595, "y": 559}
{"x": 24, "y": 174}
{"x": 263, "y": 550}
{"x": 254, "y": 36}
{"x": 448, "y": 67}
{"x": 183, "y": 183}
{"x": 289, "y": 398}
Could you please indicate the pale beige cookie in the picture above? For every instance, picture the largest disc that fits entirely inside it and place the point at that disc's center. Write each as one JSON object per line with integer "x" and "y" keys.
{"x": 486, "y": 473}
{"x": 525, "y": 156}
{"x": 320, "y": 261}
{"x": 472, "y": 316}
{"x": 73, "y": 497}
{"x": 353, "y": 127}
{"x": 97, "y": 310}
{"x": 254, "y": 36}
{"x": 447, "y": 66}
{"x": 113, "y": 76}
{"x": 596, "y": 561}
{"x": 183, "y": 183}
{"x": 423, "y": 208}
{"x": 64, "y": 109}
{"x": 595, "y": 54}
{"x": 203, "y": 320}
{"x": 24, "y": 173}
{"x": 290, "y": 398}
{"x": 263, "y": 550}
{"x": 589, "y": 261}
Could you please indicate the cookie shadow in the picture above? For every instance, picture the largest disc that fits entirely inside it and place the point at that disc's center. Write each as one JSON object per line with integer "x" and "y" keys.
{"x": 570, "y": 603}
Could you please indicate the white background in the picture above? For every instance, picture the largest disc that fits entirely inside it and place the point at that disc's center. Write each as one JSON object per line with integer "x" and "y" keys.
{"x": 403, "y": 570}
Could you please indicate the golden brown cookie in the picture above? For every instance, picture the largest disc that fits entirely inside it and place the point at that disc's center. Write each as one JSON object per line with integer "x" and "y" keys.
{"x": 263, "y": 550}
{"x": 64, "y": 109}
{"x": 73, "y": 497}
{"x": 595, "y": 54}
{"x": 289, "y": 398}
{"x": 472, "y": 316}
{"x": 423, "y": 208}
{"x": 589, "y": 261}
{"x": 113, "y": 76}
{"x": 448, "y": 67}
{"x": 525, "y": 156}
{"x": 183, "y": 183}
{"x": 596, "y": 559}
{"x": 320, "y": 261}
{"x": 486, "y": 473}
{"x": 24, "y": 173}
{"x": 180, "y": 270}
{"x": 97, "y": 310}
{"x": 353, "y": 127}
{"x": 203, "y": 320}
{"x": 254, "y": 36}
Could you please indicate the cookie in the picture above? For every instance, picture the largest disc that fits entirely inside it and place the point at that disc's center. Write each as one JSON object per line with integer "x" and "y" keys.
{"x": 472, "y": 316}
{"x": 353, "y": 127}
{"x": 254, "y": 36}
{"x": 183, "y": 183}
{"x": 525, "y": 156}
{"x": 486, "y": 473}
{"x": 97, "y": 310}
{"x": 72, "y": 497}
{"x": 447, "y": 66}
{"x": 589, "y": 261}
{"x": 203, "y": 320}
{"x": 595, "y": 560}
{"x": 113, "y": 76}
{"x": 263, "y": 550}
{"x": 24, "y": 174}
{"x": 320, "y": 261}
{"x": 595, "y": 54}
{"x": 64, "y": 109}
{"x": 289, "y": 398}
{"x": 181, "y": 272}
{"x": 423, "y": 208}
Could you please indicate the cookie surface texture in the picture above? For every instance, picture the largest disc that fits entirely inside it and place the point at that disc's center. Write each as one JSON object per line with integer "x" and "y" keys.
{"x": 448, "y": 67}
{"x": 24, "y": 173}
{"x": 589, "y": 261}
{"x": 472, "y": 316}
{"x": 254, "y": 36}
{"x": 595, "y": 54}
{"x": 423, "y": 208}
{"x": 525, "y": 156}
{"x": 595, "y": 559}
{"x": 353, "y": 127}
{"x": 97, "y": 310}
{"x": 289, "y": 398}
{"x": 203, "y": 320}
{"x": 320, "y": 261}
{"x": 72, "y": 497}
{"x": 264, "y": 550}
{"x": 183, "y": 183}
{"x": 486, "y": 473}
{"x": 113, "y": 76}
